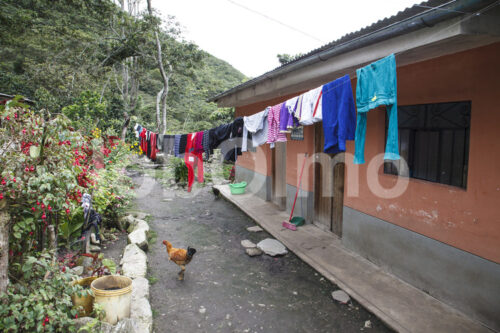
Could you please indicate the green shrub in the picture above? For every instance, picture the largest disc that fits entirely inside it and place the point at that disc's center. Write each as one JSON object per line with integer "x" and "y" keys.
{"x": 40, "y": 300}
{"x": 180, "y": 170}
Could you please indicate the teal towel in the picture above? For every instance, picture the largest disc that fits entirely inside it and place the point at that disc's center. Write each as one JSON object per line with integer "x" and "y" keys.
{"x": 377, "y": 86}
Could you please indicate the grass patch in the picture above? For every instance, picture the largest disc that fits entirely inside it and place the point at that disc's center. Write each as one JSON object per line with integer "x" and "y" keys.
{"x": 152, "y": 279}
{"x": 152, "y": 237}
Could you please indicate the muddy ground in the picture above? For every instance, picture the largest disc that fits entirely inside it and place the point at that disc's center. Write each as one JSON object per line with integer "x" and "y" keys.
{"x": 225, "y": 290}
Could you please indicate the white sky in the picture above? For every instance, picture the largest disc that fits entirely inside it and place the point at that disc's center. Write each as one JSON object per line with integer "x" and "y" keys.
{"x": 250, "y": 42}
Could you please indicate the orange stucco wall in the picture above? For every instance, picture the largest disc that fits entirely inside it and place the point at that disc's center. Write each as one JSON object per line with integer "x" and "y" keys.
{"x": 467, "y": 219}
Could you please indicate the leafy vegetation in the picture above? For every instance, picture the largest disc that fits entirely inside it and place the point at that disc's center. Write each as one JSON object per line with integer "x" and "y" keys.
{"x": 95, "y": 61}
{"x": 42, "y": 303}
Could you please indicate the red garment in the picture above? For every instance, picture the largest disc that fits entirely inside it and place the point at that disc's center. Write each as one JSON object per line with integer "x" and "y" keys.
{"x": 144, "y": 143}
{"x": 190, "y": 157}
{"x": 198, "y": 146}
{"x": 152, "y": 139}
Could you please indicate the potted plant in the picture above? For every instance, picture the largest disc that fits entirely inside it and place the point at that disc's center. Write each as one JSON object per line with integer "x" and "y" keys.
{"x": 99, "y": 267}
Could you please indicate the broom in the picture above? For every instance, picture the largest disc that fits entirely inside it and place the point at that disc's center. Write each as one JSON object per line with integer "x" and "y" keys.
{"x": 290, "y": 224}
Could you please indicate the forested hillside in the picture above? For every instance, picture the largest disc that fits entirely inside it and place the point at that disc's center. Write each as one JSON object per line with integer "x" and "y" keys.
{"x": 96, "y": 61}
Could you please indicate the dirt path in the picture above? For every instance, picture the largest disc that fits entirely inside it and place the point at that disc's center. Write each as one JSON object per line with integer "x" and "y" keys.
{"x": 224, "y": 289}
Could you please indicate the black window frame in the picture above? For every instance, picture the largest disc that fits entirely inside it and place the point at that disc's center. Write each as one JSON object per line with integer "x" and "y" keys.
{"x": 434, "y": 138}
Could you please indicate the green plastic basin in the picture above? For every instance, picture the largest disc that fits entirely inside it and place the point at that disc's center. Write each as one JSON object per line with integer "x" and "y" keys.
{"x": 238, "y": 188}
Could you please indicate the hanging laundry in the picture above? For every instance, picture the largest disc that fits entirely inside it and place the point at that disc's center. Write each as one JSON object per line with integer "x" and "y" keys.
{"x": 273, "y": 119}
{"x": 177, "y": 140}
{"x": 377, "y": 86}
{"x": 310, "y": 107}
{"x": 257, "y": 125}
{"x": 143, "y": 141}
{"x": 206, "y": 144}
{"x": 291, "y": 105}
{"x": 191, "y": 156}
{"x": 339, "y": 114}
{"x": 228, "y": 138}
{"x": 168, "y": 144}
{"x": 153, "y": 137}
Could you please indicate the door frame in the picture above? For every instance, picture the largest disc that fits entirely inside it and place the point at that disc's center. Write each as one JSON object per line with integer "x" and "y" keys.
{"x": 334, "y": 204}
{"x": 278, "y": 175}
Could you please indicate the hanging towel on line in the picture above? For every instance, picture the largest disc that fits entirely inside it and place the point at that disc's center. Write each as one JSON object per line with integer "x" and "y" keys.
{"x": 377, "y": 86}
{"x": 339, "y": 114}
{"x": 257, "y": 125}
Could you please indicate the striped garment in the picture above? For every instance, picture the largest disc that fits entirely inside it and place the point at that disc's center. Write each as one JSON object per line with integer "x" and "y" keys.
{"x": 273, "y": 118}
{"x": 177, "y": 140}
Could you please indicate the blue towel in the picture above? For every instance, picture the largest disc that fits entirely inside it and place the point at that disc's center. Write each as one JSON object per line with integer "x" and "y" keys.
{"x": 377, "y": 86}
{"x": 177, "y": 140}
{"x": 339, "y": 114}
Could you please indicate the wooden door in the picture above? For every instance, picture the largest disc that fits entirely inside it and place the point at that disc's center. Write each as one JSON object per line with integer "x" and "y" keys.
{"x": 279, "y": 175}
{"x": 328, "y": 186}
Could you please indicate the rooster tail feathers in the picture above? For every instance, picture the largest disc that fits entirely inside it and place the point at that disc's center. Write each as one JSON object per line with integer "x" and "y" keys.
{"x": 190, "y": 252}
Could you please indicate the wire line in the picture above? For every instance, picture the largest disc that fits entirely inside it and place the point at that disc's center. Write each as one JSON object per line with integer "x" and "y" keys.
{"x": 276, "y": 21}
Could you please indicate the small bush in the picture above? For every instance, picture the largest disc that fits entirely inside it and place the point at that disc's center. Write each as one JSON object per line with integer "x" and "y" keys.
{"x": 180, "y": 170}
{"x": 41, "y": 300}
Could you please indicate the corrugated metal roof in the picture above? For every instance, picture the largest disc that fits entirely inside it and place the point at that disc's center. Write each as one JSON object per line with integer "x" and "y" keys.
{"x": 399, "y": 18}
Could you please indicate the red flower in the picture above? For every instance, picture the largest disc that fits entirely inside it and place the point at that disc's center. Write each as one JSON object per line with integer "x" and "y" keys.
{"x": 49, "y": 208}
{"x": 76, "y": 316}
{"x": 43, "y": 206}
{"x": 38, "y": 203}
{"x": 33, "y": 208}
{"x": 31, "y": 233}
{"x": 24, "y": 130}
{"x": 7, "y": 118}
{"x": 63, "y": 269}
{"x": 32, "y": 168}
{"x": 3, "y": 182}
{"x": 43, "y": 216}
{"x": 14, "y": 179}
{"x": 67, "y": 211}
{"x": 1, "y": 196}
{"x": 27, "y": 169}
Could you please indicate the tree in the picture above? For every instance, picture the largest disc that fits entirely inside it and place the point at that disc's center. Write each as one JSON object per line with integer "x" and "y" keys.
{"x": 285, "y": 58}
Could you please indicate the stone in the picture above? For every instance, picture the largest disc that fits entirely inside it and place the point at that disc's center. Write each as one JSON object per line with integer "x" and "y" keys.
{"x": 127, "y": 220}
{"x": 138, "y": 224}
{"x": 202, "y": 310}
{"x": 139, "y": 238}
{"x": 272, "y": 247}
{"x": 247, "y": 244}
{"x": 140, "y": 288}
{"x": 93, "y": 239}
{"x": 82, "y": 321}
{"x": 126, "y": 325}
{"x": 141, "y": 215}
{"x": 253, "y": 252}
{"x": 134, "y": 262}
{"x": 142, "y": 225}
{"x": 340, "y": 296}
{"x": 140, "y": 310}
{"x": 78, "y": 270}
{"x": 255, "y": 228}
{"x": 368, "y": 324}
{"x": 95, "y": 248}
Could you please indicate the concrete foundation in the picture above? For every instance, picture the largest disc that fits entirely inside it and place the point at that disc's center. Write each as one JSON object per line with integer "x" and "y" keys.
{"x": 305, "y": 203}
{"x": 468, "y": 282}
{"x": 258, "y": 184}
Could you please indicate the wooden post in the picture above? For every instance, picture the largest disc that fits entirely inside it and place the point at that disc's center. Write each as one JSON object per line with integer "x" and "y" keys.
{"x": 4, "y": 250}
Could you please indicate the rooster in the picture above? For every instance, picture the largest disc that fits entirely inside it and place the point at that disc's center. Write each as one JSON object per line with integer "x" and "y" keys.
{"x": 180, "y": 256}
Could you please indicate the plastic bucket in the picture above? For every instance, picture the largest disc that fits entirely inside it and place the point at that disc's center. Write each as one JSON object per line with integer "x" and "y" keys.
{"x": 238, "y": 188}
{"x": 86, "y": 301}
{"x": 113, "y": 293}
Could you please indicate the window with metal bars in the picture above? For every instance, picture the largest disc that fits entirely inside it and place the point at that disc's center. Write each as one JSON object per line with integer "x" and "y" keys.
{"x": 434, "y": 141}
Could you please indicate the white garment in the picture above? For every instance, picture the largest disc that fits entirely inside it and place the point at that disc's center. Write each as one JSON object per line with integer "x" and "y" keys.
{"x": 311, "y": 101}
{"x": 290, "y": 104}
{"x": 257, "y": 125}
